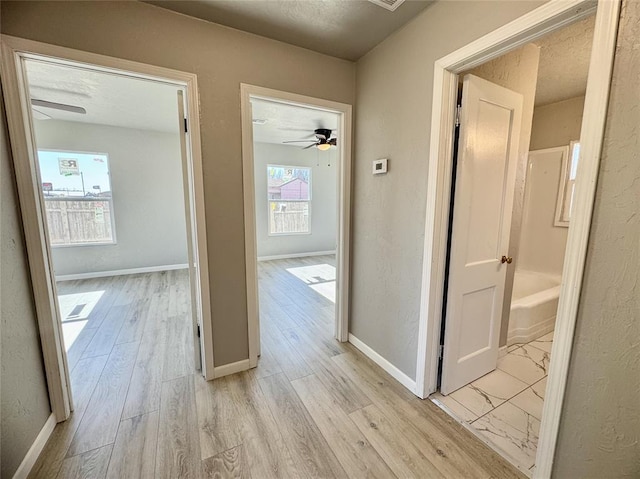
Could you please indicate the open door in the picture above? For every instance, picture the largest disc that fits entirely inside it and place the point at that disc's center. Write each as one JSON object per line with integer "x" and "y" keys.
{"x": 490, "y": 121}
{"x": 190, "y": 220}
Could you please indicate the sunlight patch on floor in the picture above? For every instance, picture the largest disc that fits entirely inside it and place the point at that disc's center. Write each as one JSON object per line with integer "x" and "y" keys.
{"x": 74, "y": 311}
{"x": 328, "y": 290}
{"x": 320, "y": 277}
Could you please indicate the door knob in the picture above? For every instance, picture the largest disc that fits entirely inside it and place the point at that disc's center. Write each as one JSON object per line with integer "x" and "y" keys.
{"x": 506, "y": 260}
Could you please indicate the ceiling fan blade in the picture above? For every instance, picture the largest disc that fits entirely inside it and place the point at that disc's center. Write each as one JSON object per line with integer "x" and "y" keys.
{"x": 300, "y": 141}
{"x": 58, "y": 106}
{"x": 38, "y": 115}
{"x": 310, "y": 146}
{"x": 294, "y": 129}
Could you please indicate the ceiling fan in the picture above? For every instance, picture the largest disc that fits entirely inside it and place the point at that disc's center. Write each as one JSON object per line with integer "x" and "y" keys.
{"x": 40, "y": 115}
{"x": 322, "y": 140}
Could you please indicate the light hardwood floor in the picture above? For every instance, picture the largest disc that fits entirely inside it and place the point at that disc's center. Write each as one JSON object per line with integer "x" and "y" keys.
{"x": 312, "y": 408}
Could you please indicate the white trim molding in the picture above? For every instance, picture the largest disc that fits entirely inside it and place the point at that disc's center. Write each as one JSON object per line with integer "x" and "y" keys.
{"x": 549, "y": 17}
{"x": 20, "y": 122}
{"x": 343, "y": 215}
{"x": 120, "y": 272}
{"x": 398, "y": 375}
{"x": 296, "y": 255}
{"x": 36, "y": 448}
{"x": 231, "y": 368}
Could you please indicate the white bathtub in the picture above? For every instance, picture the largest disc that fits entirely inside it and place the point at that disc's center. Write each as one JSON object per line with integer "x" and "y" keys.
{"x": 534, "y": 304}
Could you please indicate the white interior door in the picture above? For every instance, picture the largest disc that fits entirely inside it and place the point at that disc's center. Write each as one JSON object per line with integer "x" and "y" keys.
{"x": 190, "y": 221}
{"x": 486, "y": 165}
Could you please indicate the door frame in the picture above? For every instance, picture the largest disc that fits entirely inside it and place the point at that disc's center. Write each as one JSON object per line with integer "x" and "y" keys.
{"x": 247, "y": 92}
{"x": 24, "y": 153}
{"x": 545, "y": 19}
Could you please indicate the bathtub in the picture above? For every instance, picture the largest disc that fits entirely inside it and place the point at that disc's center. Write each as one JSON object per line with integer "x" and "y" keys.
{"x": 534, "y": 304}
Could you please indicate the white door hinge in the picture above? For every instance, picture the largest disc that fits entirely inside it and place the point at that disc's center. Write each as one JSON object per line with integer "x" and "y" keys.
{"x": 440, "y": 351}
{"x": 458, "y": 112}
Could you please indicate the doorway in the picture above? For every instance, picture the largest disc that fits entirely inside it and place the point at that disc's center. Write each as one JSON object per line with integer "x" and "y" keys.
{"x": 95, "y": 130}
{"x": 438, "y": 304}
{"x": 296, "y": 164}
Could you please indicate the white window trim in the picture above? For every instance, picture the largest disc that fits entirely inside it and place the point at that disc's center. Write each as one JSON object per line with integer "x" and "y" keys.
{"x": 563, "y": 201}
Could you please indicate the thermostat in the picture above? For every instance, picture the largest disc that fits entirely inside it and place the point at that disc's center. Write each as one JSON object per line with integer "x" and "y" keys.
{"x": 380, "y": 166}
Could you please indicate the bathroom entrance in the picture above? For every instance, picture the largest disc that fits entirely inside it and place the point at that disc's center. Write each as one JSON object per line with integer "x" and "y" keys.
{"x": 515, "y": 158}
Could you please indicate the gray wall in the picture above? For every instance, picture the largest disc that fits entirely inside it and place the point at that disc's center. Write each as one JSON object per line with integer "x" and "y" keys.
{"x": 393, "y": 114}
{"x": 517, "y": 71}
{"x": 148, "y": 199}
{"x": 222, "y": 58}
{"x": 600, "y": 427}
{"x": 24, "y": 399}
{"x": 323, "y": 199}
{"x": 557, "y": 124}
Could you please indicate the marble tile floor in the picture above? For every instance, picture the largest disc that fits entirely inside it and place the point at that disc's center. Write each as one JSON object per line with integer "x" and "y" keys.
{"x": 505, "y": 406}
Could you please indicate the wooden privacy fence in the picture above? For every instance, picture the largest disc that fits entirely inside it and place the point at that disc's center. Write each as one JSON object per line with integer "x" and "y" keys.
{"x": 79, "y": 220}
{"x": 288, "y": 217}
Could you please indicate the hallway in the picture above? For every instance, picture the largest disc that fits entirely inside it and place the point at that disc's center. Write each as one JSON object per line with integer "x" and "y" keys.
{"x": 312, "y": 408}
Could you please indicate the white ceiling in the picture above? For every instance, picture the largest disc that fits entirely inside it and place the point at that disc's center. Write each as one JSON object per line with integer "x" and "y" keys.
{"x": 342, "y": 28}
{"x": 283, "y": 122}
{"x": 109, "y": 99}
{"x": 564, "y": 62}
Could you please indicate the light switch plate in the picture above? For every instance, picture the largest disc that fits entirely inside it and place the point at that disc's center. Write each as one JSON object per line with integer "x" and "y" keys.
{"x": 380, "y": 166}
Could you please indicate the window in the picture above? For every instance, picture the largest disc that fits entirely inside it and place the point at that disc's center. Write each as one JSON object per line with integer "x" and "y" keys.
{"x": 77, "y": 197}
{"x": 289, "y": 197}
{"x": 566, "y": 191}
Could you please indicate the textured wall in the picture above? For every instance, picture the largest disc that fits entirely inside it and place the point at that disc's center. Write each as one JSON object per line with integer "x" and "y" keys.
{"x": 600, "y": 427}
{"x": 557, "y": 124}
{"x": 222, "y": 58}
{"x": 324, "y": 185}
{"x": 393, "y": 115}
{"x": 148, "y": 197}
{"x": 517, "y": 71}
{"x": 24, "y": 399}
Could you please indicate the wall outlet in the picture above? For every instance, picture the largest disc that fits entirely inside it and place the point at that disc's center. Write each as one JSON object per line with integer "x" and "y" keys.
{"x": 380, "y": 166}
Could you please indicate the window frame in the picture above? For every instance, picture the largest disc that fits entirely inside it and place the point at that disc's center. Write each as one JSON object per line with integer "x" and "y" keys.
{"x": 566, "y": 185}
{"x": 112, "y": 216}
{"x": 309, "y": 201}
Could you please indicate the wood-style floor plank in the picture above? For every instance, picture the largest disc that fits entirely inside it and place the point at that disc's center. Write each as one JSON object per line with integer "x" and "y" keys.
{"x": 267, "y": 454}
{"x": 178, "y": 351}
{"x": 178, "y": 452}
{"x": 101, "y": 419}
{"x": 348, "y": 443}
{"x": 83, "y": 382}
{"x": 146, "y": 382}
{"x": 291, "y": 362}
{"x": 106, "y": 335}
{"x": 309, "y": 449}
{"x": 134, "y": 452}
{"x": 404, "y": 456}
{"x": 88, "y": 465}
{"x": 217, "y": 417}
{"x": 230, "y": 464}
{"x": 343, "y": 390}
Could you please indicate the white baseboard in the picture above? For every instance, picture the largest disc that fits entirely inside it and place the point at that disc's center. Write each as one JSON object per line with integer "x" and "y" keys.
{"x": 502, "y": 351}
{"x": 36, "y": 448}
{"x": 398, "y": 375}
{"x": 231, "y": 368}
{"x": 295, "y": 255}
{"x": 121, "y": 272}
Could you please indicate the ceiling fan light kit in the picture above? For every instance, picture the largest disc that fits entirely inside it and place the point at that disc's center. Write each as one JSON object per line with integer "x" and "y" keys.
{"x": 322, "y": 140}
